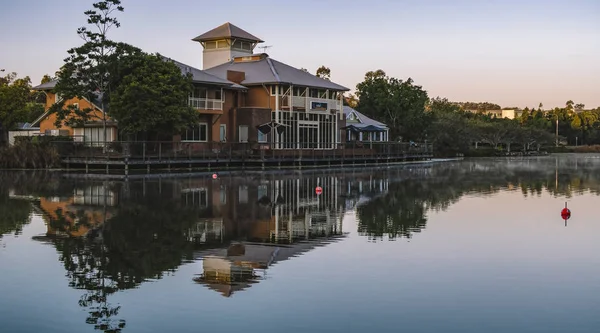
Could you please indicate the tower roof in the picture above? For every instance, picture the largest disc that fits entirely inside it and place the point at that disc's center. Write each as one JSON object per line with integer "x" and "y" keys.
{"x": 227, "y": 30}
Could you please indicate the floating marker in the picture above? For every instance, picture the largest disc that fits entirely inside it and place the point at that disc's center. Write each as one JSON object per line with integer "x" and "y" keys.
{"x": 214, "y": 176}
{"x": 565, "y": 213}
{"x": 318, "y": 190}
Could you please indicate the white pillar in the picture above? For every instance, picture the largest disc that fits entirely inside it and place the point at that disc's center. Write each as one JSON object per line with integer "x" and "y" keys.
{"x": 276, "y": 115}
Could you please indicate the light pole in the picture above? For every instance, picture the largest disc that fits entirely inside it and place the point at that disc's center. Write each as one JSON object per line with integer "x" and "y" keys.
{"x": 556, "y": 130}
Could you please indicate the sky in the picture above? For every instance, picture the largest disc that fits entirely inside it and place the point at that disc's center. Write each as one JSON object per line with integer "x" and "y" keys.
{"x": 513, "y": 53}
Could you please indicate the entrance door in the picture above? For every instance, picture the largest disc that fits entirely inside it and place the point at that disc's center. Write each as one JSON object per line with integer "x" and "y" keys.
{"x": 308, "y": 136}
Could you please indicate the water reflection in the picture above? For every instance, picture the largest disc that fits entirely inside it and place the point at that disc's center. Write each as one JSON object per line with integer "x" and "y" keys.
{"x": 112, "y": 236}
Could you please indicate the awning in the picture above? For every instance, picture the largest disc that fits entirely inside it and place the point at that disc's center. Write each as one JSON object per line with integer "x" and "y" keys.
{"x": 267, "y": 127}
{"x": 370, "y": 128}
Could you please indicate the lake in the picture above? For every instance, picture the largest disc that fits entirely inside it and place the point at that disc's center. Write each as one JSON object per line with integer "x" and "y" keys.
{"x": 458, "y": 246}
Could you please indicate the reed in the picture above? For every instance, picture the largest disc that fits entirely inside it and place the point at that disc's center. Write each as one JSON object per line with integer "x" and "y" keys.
{"x": 29, "y": 154}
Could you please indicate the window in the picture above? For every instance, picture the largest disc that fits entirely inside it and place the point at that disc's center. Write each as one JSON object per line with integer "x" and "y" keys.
{"x": 243, "y": 194}
{"x": 210, "y": 45}
{"x": 223, "y": 132}
{"x": 262, "y": 137}
{"x": 223, "y": 194}
{"x": 222, "y": 44}
{"x": 262, "y": 191}
{"x": 196, "y": 134}
{"x": 94, "y": 136}
{"x": 195, "y": 197}
{"x": 243, "y": 133}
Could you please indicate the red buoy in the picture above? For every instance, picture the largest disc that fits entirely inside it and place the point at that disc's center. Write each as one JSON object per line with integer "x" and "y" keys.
{"x": 565, "y": 213}
{"x": 318, "y": 190}
{"x": 214, "y": 176}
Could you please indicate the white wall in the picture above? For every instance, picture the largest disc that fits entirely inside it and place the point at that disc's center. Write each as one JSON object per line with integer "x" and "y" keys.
{"x": 13, "y": 134}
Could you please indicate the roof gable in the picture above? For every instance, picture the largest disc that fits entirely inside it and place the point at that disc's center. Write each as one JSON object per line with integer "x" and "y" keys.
{"x": 227, "y": 30}
{"x": 271, "y": 71}
{"x": 362, "y": 119}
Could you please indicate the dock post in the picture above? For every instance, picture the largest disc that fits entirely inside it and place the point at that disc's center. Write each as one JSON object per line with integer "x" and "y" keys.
{"x": 148, "y": 168}
{"x": 126, "y": 167}
{"x": 107, "y": 168}
{"x": 87, "y": 170}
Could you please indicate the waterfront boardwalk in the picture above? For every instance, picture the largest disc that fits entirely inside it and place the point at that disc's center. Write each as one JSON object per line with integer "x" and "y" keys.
{"x": 147, "y": 157}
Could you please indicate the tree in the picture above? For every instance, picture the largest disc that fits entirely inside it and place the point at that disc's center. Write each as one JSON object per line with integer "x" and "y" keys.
{"x": 449, "y": 130}
{"x": 14, "y": 97}
{"x": 351, "y": 100}
{"x": 399, "y": 104}
{"x": 46, "y": 78}
{"x": 86, "y": 72}
{"x": 152, "y": 97}
{"x": 323, "y": 72}
{"x": 579, "y": 107}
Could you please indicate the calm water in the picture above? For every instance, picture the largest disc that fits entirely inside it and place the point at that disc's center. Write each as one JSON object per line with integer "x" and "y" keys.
{"x": 468, "y": 246}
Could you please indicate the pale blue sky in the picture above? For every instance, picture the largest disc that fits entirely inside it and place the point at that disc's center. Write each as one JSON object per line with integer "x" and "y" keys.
{"x": 514, "y": 53}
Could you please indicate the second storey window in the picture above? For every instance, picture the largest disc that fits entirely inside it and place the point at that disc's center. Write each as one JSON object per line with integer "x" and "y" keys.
{"x": 198, "y": 133}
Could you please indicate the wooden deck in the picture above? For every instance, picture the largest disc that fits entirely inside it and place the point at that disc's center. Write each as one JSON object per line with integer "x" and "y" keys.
{"x": 159, "y": 159}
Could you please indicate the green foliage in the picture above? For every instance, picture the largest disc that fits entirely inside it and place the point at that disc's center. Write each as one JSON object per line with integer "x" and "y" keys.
{"x": 479, "y": 106}
{"x": 399, "y": 104}
{"x": 152, "y": 96}
{"x": 14, "y": 99}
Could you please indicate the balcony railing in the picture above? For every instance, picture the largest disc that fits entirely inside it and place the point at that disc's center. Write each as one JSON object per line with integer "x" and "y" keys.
{"x": 206, "y": 103}
{"x": 306, "y": 103}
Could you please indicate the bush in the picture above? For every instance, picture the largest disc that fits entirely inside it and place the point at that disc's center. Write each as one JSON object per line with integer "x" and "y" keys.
{"x": 27, "y": 154}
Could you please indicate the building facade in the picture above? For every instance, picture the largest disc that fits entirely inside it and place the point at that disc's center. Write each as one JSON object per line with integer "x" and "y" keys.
{"x": 242, "y": 97}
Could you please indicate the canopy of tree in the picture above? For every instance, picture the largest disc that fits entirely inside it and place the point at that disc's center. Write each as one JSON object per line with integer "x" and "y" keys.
{"x": 143, "y": 93}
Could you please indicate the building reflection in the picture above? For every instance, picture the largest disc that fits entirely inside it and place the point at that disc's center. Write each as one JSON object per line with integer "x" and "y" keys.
{"x": 114, "y": 236}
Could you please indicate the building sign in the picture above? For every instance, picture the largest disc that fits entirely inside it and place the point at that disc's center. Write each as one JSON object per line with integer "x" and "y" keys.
{"x": 318, "y": 106}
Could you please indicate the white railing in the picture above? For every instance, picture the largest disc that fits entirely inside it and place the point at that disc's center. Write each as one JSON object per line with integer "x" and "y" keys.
{"x": 306, "y": 103}
{"x": 206, "y": 103}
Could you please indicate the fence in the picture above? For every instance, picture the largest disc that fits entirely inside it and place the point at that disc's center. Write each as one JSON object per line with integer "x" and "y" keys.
{"x": 170, "y": 150}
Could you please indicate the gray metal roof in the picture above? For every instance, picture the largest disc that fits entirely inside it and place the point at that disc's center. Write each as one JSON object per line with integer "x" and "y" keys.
{"x": 200, "y": 76}
{"x": 46, "y": 86}
{"x": 271, "y": 71}
{"x": 364, "y": 121}
{"x": 227, "y": 30}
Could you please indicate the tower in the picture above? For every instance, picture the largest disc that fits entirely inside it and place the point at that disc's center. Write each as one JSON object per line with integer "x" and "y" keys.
{"x": 224, "y": 43}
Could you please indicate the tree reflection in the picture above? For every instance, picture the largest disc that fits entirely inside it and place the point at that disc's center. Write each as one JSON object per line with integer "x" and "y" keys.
{"x": 116, "y": 249}
{"x": 14, "y": 215}
{"x": 402, "y": 211}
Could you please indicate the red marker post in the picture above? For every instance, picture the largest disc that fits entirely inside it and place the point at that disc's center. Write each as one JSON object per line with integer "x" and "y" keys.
{"x": 318, "y": 190}
{"x": 565, "y": 213}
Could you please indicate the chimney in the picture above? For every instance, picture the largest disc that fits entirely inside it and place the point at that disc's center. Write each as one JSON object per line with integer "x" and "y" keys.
{"x": 235, "y": 76}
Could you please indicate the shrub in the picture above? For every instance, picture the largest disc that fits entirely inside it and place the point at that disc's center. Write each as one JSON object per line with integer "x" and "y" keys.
{"x": 27, "y": 154}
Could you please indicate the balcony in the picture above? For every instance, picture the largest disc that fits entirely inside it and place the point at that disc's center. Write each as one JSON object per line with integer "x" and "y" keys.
{"x": 206, "y": 104}
{"x": 310, "y": 104}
